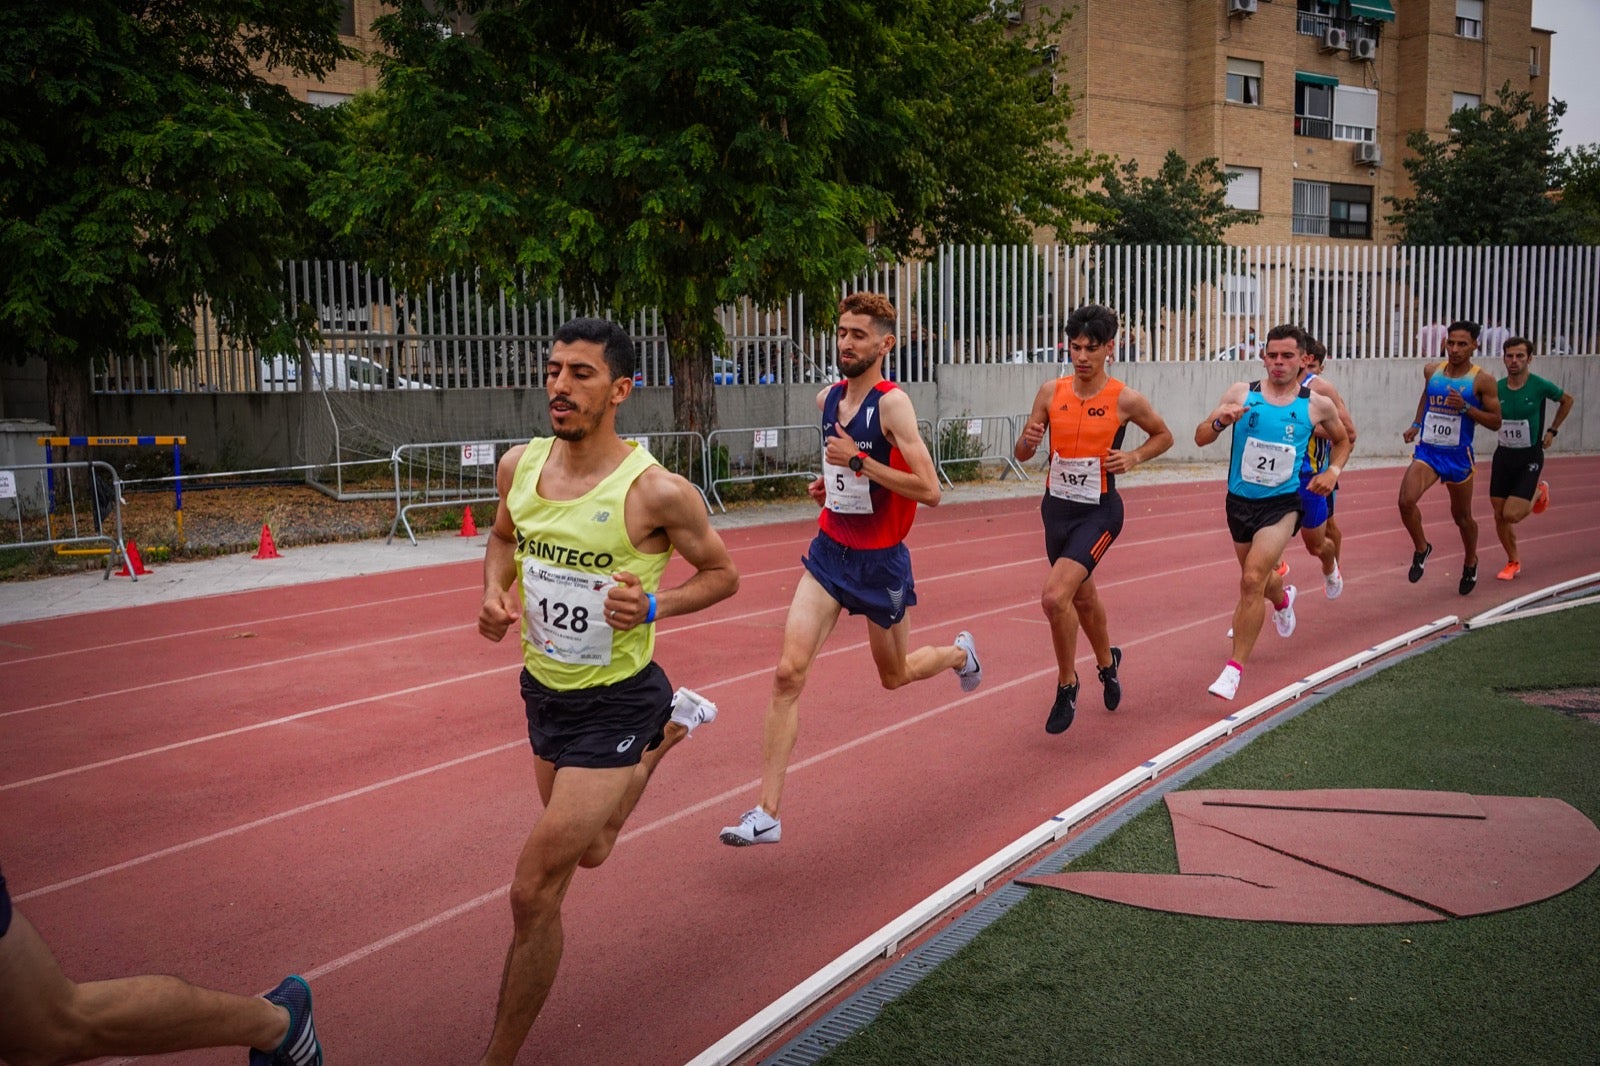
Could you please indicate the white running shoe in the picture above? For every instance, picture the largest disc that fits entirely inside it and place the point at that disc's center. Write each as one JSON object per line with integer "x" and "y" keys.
{"x": 1230, "y": 632}
{"x": 690, "y": 709}
{"x": 1333, "y": 583}
{"x": 971, "y": 675}
{"x": 755, "y": 826}
{"x": 1284, "y": 619}
{"x": 1227, "y": 683}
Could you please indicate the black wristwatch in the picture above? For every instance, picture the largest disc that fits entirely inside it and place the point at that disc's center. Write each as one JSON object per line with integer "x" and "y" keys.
{"x": 857, "y": 461}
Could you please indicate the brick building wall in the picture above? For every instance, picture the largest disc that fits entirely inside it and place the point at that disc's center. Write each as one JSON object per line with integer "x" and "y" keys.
{"x": 1149, "y": 75}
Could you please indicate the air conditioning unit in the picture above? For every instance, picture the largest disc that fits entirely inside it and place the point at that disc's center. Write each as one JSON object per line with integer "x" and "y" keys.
{"x": 1368, "y": 153}
{"x": 1241, "y": 7}
{"x": 1364, "y": 48}
{"x": 1335, "y": 40}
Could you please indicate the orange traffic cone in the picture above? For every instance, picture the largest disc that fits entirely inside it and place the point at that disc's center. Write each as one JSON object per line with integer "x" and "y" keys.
{"x": 267, "y": 550}
{"x": 469, "y": 528}
{"x": 132, "y": 565}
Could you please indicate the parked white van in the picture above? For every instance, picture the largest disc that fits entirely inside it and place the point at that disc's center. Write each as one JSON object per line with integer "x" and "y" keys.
{"x": 332, "y": 370}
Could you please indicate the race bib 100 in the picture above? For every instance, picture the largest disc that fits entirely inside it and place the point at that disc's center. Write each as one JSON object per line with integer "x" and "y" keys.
{"x": 1441, "y": 429}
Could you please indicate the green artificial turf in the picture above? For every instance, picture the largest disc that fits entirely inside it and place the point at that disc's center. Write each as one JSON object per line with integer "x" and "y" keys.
{"x": 1064, "y": 978}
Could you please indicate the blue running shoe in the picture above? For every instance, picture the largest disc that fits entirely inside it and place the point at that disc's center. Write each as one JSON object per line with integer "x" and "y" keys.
{"x": 299, "y": 1047}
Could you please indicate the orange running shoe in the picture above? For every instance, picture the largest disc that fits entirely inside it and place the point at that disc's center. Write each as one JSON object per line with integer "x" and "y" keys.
{"x": 1513, "y": 568}
{"x": 1283, "y": 568}
{"x": 1541, "y": 499}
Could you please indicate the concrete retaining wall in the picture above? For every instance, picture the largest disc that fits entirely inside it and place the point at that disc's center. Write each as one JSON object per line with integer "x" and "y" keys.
{"x": 242, "y": 431}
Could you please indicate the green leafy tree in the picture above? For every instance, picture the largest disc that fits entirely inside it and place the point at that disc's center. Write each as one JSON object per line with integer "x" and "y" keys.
{"x": 1486, "y": 180}
{"x": 686, "y": 154}
{"x": 1181, "y": 204}
{"x": 146, "y": 168}
{"x": 1578, "y": 178}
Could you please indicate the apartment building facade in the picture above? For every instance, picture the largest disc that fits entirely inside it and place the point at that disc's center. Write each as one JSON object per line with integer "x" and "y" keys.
{"x": 1309, "y": 102}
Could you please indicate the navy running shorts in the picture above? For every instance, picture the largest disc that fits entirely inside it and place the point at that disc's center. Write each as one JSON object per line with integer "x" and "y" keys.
{"x": 1080, "y": 531}
{"x": 1453, "y": 465}
{"x": 875, "y": 582}
{"x": 1315, "y": 510}
{"x": 5, "y": 906}
{"x": 598, "y": 728}
{"x": 1514, "y": 473}
{"x": 1247, "y": 517}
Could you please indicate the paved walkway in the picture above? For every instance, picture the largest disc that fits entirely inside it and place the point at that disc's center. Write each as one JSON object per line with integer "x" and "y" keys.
{"x": 85, "y": 592}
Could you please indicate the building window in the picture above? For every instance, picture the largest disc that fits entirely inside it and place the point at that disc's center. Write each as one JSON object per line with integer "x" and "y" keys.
{"x": 1310, "y": 209}
{"x": 1355, "y": 114}
{"x": 1534, "y": 67}
{"x": 1469, "y": 19}
{"x": 1313, "y": 17}
{"x": 1313, "y": 105}
{"x": 325, "y": 99}
{"x": 1465, "y": 102}
{"x": 1244, "y": 191}
{"x": 1350, "y": 211}
{"x": 347, "y": 18}
{"x": 1244, "y": 81}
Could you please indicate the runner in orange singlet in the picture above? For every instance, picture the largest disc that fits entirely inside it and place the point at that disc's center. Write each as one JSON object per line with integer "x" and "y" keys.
{"x": 1087, "y": 414}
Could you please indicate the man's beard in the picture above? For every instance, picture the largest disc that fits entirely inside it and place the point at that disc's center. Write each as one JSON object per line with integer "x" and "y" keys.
{"x": 857, "y": 368}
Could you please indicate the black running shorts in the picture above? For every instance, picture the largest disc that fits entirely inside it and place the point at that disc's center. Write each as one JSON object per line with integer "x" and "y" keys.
{"x": 1514, "y": 472}
{"x": 1080, "y": 531}
{"x": 5, "y": 906}
{"x": 1247, "y": 517}
{"x": 598, "y": 728}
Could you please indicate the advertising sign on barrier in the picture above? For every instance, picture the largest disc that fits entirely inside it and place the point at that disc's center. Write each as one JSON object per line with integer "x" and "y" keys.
{"x": 766, "y": 438}
{"x": 8, "y": 485}
{"x": 479, "y": 454}
{"x": 641, "y": 441}
{"x": 975, "y": 427}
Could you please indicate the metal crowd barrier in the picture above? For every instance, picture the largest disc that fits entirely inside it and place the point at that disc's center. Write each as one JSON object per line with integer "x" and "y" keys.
{"x": 681, "y": 451}
{"x": 983, "y": 439}
{"x": 764, "y": 453}
{"x": 455, "y": 473}
{"x": 72, "y": 518}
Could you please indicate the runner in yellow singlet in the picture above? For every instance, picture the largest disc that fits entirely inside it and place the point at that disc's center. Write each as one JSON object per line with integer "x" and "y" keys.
{"x": 585, "y": 526}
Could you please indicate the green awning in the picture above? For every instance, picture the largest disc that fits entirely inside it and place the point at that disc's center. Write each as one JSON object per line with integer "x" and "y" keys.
{"x": 1382, "y": 10}
{"x": 1316, "y": 79}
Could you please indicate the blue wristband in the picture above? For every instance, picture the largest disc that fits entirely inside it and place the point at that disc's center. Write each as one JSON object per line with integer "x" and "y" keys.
{"x": 650, "y": 616}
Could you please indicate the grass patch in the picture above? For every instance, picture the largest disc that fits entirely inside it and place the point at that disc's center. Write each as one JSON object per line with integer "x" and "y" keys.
{"x": 1064, "y": 978}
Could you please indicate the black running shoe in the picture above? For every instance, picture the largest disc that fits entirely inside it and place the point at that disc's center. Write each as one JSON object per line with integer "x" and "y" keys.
{"x": 1469, "y": 578}
{"x": 1108, "y": 678}
{"x": 1065, "y": 708}
{"x": 1418, "y": 561}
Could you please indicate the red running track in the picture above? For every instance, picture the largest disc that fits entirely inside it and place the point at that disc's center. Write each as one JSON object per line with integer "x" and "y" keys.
{"x": 333, "y": 779}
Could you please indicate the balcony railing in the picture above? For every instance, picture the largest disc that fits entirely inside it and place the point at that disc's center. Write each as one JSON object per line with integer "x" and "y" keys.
{"x": 1305, "y": 126}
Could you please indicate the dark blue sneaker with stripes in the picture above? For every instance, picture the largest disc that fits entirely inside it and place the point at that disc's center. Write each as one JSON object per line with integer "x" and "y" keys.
{"x": 299, "y": 1047}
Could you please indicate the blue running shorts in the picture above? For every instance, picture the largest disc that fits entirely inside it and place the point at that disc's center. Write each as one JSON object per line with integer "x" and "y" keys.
{"x": 875, "y": 582}
{"x": 1453, "y": 465}
{"x": 1316, "y": 510}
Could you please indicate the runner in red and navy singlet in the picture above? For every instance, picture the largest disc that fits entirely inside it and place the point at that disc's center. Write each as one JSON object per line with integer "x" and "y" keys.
{"x": 875, "y": 471}
{"x": 891, "y": 516}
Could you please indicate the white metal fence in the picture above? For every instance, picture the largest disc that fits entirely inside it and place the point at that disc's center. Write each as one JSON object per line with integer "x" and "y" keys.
{"x": 968, "y": 304}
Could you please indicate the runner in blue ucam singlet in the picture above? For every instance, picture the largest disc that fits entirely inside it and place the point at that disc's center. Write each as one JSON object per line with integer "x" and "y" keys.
{"x": 1456, "y": 398}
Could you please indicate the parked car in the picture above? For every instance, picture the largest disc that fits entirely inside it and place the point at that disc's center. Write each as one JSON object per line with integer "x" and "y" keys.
{"x": 723, "y": 372}
{"x": 333, "y": 370}
{"x": 1240, "y": 353}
